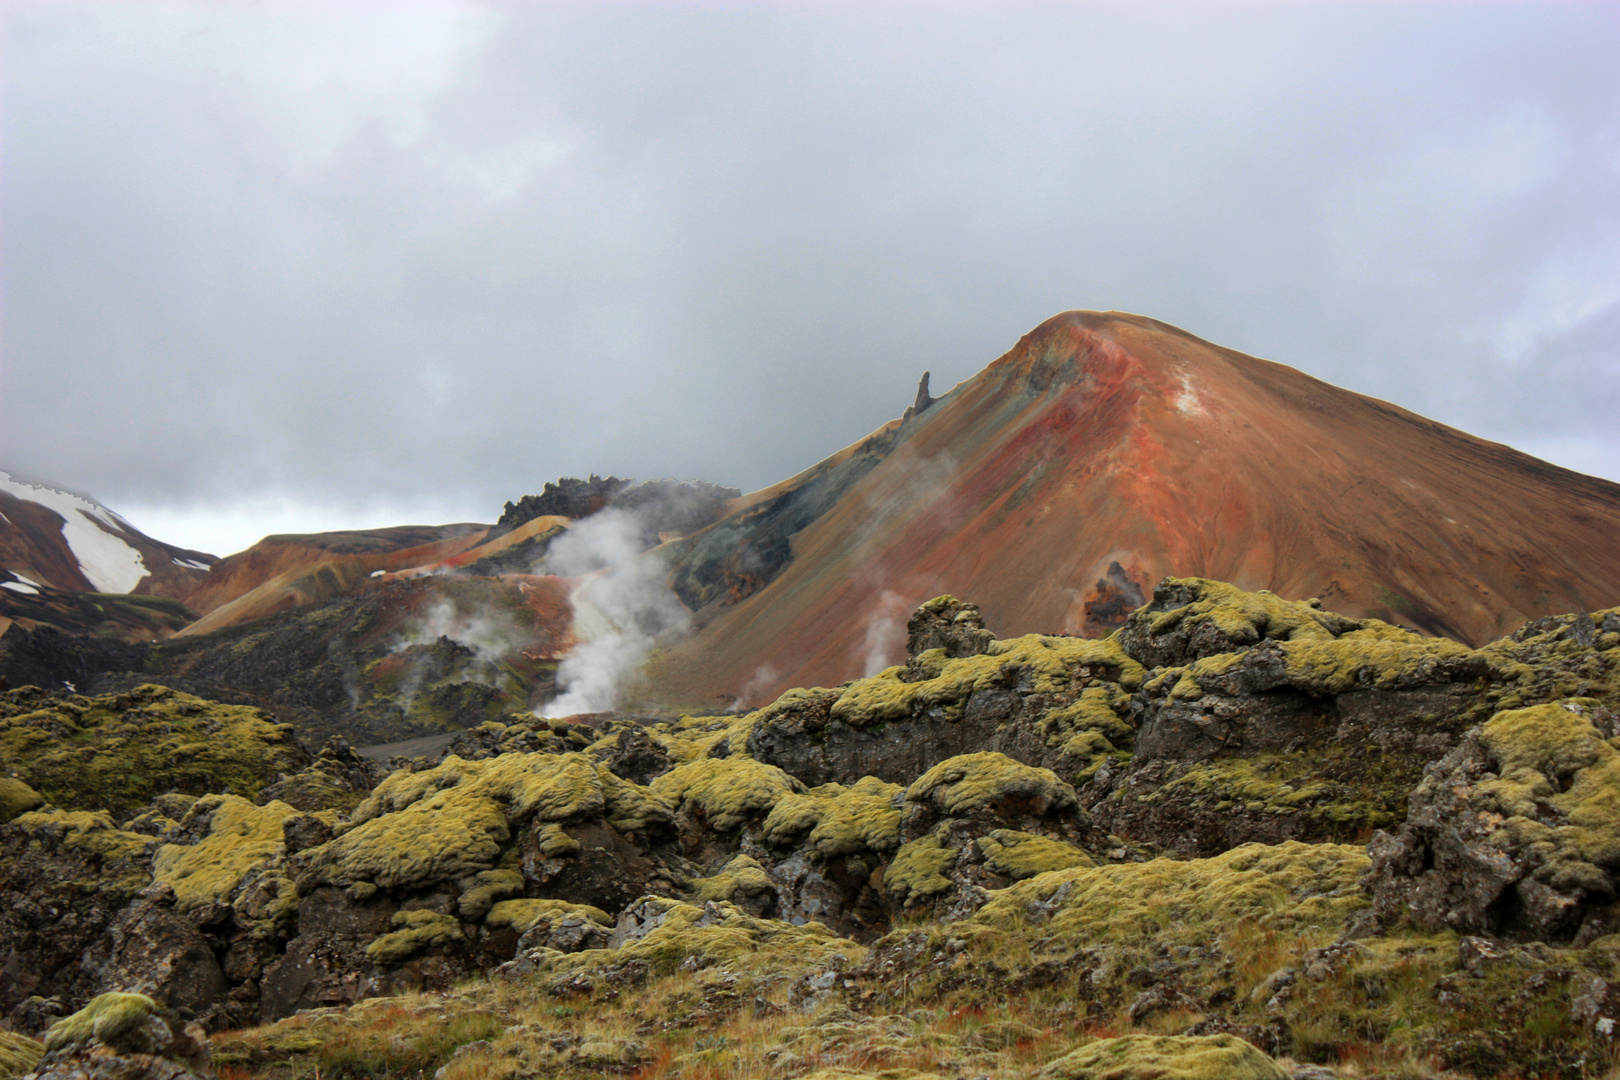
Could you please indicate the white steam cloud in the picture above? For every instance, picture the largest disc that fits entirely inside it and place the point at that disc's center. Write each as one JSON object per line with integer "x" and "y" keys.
{"x": 621, "y": 609}
{"x": 489, "y": 637}
{"x": 885, "y": 633}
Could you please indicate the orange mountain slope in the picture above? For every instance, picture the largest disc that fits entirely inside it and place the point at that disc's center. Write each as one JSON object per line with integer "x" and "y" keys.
{"x": 281, "y": 572}
{"x": 1108, "y": 450}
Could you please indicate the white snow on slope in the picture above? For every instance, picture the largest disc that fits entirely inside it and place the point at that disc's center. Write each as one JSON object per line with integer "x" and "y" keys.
{"x": 90, "y": 530}
{"x": 190, "y": 564}
{"x": 17, "y": 586}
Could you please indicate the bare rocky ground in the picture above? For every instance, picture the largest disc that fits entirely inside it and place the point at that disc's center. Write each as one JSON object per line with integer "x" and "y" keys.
{"x": 1240, "y": 836}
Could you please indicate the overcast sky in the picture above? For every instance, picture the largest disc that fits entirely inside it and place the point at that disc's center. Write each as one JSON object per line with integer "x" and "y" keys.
{"x": 280, "y": 266}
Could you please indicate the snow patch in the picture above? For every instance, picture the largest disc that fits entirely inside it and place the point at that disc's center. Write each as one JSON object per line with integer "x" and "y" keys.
{"x": 1188, "y": 403}
{"x": 190, "y": 564}
{"x": 17, "y": 586}
{"x": 107, "y": 562}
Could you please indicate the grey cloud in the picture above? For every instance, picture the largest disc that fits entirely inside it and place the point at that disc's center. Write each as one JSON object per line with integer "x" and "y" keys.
{"x": 407, "y": 250}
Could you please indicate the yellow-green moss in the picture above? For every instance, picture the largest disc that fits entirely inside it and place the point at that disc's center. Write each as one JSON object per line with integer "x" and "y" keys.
{"x": 1089, "y": 727}
{"x": 18, "y": 1054}
{"x": 92, "y": 832}
{"x": 115, "y": 752}
{"x": 413, "y": 932}
{"x": 1166, "y": 1057}
{"x": 1551, "y": 755}
{"x": 109, "y": 1018}
{"x": 970, "y": 782}
{"x": 841, "y": 820}
{"x": 741, "y": 875}
{"x": 486, "y": 888}
{"x": 918, "y": 868}
{"x": 16, "y": 798}
{"x": 1021, "y": 855}
{"x": 241, "y": 839}
{"x": 522, "y": 915}
{"x": 727, "y": 791}
{"x": 1245, "y": 618}
{"x": 1286, "y": 887}
{"x": 728, "y": 936}
{"x": 453, "y": 820}
{"x": 1049, "y": 665}
{"x": 554, "y": 841}
{"x": 1376, "y": 657}
{"x": 1344, "y": 790}
{"x": 692, "y": 737}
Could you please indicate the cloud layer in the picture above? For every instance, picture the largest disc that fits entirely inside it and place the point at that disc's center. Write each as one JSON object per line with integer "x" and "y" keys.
{"x": 425, "y": 257}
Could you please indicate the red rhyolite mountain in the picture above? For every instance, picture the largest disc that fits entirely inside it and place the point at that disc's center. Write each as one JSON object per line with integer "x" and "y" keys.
{"x": 1102, "y": 453}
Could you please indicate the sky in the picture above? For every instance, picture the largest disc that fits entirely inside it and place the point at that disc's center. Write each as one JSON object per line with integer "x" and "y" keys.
{"x": 294, "y": 266}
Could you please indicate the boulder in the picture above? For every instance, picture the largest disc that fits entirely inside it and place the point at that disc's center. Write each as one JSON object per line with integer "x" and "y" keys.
{"x": 1514, "y": 833}
{"x": 121, "y": 1036}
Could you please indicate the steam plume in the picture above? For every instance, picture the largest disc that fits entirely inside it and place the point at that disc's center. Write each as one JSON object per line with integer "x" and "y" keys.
{"x": 621, "y": 609}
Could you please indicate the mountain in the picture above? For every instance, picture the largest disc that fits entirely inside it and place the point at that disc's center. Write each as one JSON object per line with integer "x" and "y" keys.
{"x": 69, "y": 562}
{"x": 288, "y": 570}
{"x": 53, "y": 537}
{"x": 1102, "y": 453}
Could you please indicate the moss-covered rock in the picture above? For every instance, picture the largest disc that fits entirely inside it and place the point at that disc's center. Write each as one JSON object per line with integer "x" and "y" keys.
{"x": 522, "y": 915}
{"x": 839, "y": 820}
{"x": 120, "y": 1034}
{"x": 1166, "y": 1057}
{"x": 663, "y": 934}
{"x": 991, "y": 782}
{"x": 414, "y": 932}
{"x": 1045, "y": 664}
{"x": 1019, "y": 855}
{"x": 740, "y": 879}
{"x": 1191, "y": 618}
{"x": 117, "y": 751}
{"x": 726, "y": 792}
{"x": 454, "y": 820}
{"x": 237, "y": 845}
{"x": 16, "y": 798}
{"x": 91, "y": 832}
{"x": 1515, "y": 832}
{"x": 1288, "y": 887}
{"x": 18, "y": 1054}
{"x": 920, "y": 869}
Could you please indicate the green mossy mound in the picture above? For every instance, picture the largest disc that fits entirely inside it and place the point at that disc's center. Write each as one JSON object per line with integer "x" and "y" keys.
{"x": 741, "y": 876}
{"x": 918, "y": 871}
{"x": 1288, "y": 887}
{"x": 934, "y": 682}
{"x": 1020, "y": 855}
{"x": 1166, "y": 1057}
{"x": 121, "y": 1021}
{"x": 414, "y": 932}
{"x": 991, "y": 781}
{"x": 840, "y": 820}
{"x": 453, "y": 821}
{"x": 521, "y": 915}
{"x": 1558, "y": 787}
{"x": 238, "y": 845}
{"x": 117, "y": 751}
{"x": 1189, "y": 618}
{"x": 16, "y": 798}
{"x": 90, "y": 832}
{"x": 711, "y": 933}
{"x": 18, "y": 1054}
{"x": 726, "y": 792}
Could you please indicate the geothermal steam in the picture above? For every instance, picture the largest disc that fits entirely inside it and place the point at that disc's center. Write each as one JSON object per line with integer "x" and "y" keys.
{"x": 621, "y": 609}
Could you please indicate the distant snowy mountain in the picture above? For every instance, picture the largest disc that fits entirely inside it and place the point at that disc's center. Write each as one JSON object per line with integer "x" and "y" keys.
{"x": 52, "y": 538}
